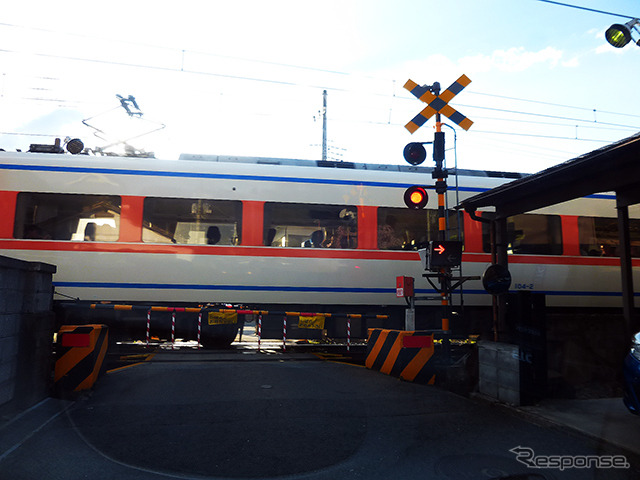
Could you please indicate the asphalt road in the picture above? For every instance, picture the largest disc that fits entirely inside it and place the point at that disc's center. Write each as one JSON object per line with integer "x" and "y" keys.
{"x": 241, "y": 414}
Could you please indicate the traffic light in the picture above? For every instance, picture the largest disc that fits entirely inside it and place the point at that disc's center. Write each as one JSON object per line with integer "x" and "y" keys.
{"x": 442, "y": 254}
{"x": 416, "y": 197}
{"x": 619, "y": 35}
{"x": 414, "y": 153}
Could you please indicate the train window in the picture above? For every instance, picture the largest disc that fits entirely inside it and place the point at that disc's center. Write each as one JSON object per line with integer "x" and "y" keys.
{"x": 191, "y": 221}
{"x": 404, "y": 229}
{"x": 530, "y": 234}
{"x": 310, "y": 225}
{"x": 56, "y": 216}
{"x": 598, "y": 236}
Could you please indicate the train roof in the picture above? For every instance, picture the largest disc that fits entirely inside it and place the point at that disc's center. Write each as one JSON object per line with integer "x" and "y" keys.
{"x": 58, "y": 150}
{"x": 345, "y": 165}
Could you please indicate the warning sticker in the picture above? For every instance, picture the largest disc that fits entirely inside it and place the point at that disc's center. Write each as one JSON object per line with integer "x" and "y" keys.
{"x": 223, "y": 318}
{"x": 314, "y": 321}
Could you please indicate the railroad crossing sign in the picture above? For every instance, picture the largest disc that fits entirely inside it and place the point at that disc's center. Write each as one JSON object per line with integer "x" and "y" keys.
{"x": 437, "y": 103}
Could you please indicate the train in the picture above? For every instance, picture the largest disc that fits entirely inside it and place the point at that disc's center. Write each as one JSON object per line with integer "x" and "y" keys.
{"x": 269, "y": 233}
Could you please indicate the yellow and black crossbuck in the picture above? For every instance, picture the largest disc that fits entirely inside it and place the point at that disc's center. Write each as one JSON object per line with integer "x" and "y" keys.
{"x": 437, "y": 103}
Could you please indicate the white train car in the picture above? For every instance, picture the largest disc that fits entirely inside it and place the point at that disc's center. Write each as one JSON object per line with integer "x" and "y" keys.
{"x": 265, "y": 232}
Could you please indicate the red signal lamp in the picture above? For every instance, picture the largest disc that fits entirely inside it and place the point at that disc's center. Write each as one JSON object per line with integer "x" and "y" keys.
{"x": 416, "y": 197}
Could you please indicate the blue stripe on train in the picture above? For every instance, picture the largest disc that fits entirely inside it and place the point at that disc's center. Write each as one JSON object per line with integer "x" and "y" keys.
{"x": 261, "y": 178}
{"x": 285, "y": 288}
{"x": 218, "y": 176}
{"x": 182, "y": 286}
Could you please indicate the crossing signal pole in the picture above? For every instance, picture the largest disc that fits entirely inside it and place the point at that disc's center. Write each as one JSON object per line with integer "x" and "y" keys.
{"x": 440, "y": 176}
{"x": 415, "y": 154}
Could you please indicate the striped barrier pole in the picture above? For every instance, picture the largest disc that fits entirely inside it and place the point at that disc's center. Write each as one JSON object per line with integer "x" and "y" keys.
{"x": 116, "y": 306}
{"x": 148, "y": 326}
{"x": 201, "y": 310}
{"x": 112, "y": 306}
{"x": 259, "y": 330}
{"x": 173, "y": 330}
{"x": 284, "y": 334}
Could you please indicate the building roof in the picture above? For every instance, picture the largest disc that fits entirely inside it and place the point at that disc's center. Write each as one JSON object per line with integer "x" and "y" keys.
{"x": 615, "y": 167}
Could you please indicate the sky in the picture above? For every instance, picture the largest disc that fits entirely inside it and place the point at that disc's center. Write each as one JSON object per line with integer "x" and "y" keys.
{"x": 247, "y": 78}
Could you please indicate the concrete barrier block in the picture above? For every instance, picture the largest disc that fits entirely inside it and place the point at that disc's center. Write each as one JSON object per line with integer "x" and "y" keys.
{"x": 488, "y": 372}
{"x": 8, "y": 370}
{"x": 8, "y": 348}
{"x": 509, "y": 378}
{"x": 9, "y": 325}
{"x": 12, "y": 279}
{"x": 403, "y": 354}
{"x": 26, "y": 363}
{"x": 14, "y": 300}
{"x": 507, "y": 359}
{"x": 499, "y": 372}
{"x": 487, "y": 354}
{"x": 37, "y": 302}
{"x": 488, "y": 388}
{"x": 508, "y": 395}
{"x": 7, "y": 391}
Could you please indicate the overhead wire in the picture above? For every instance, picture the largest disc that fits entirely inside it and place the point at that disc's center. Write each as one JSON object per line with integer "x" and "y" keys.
{"x": 288, "y": 65}
{"x": 392, "y": 96}
{"x": 335, "y": 89}
{"x": 586, "y": 9}
{"x": 537, "y": 135}
{"x": 546, "y": 115}
{"x": 551, "y": 104}
{"x": 177, "y": 49}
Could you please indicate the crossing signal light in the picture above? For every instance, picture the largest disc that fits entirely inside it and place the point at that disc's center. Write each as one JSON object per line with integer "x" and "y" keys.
{"x": 416, "y": 197}
{"x": 414, "y": 153}
{"x": 444, "y": 254}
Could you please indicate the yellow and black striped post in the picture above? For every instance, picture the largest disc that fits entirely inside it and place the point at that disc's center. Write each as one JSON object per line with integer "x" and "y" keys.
{"x": 401, "y": 354}
{"x": 441, "y": 189}
{"x": 81, "y": 350}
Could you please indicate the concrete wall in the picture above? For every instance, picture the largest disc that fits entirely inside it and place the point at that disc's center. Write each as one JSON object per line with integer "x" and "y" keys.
{"x": 27, "y": 325}
{"x": 499, "y": 371}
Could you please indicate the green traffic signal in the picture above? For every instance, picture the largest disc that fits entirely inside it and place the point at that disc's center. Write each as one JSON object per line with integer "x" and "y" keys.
{"x": 618, "y": 35}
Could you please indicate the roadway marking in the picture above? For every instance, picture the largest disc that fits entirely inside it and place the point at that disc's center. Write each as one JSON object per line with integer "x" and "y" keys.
{"x": 17, "y": 445}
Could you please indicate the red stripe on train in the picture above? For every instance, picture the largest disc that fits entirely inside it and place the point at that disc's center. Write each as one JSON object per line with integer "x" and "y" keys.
{"x": 248, "y": 251}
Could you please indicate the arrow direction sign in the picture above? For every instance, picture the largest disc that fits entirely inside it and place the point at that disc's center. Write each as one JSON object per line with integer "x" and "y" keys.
{"x": 437, "y": 104}
{"x": 446, "y": 253}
